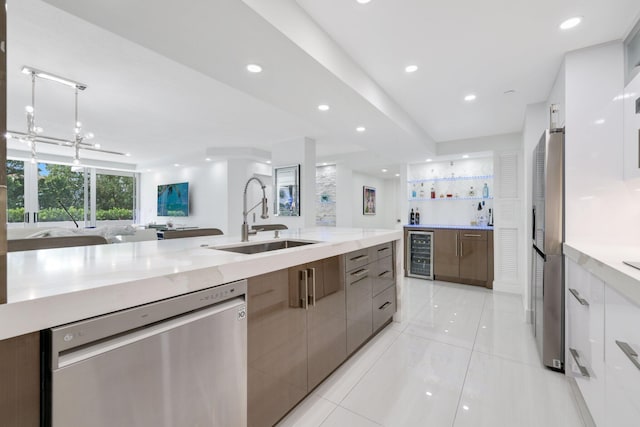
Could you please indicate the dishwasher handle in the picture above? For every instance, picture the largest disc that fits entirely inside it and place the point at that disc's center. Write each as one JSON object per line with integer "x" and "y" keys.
{"x": 70, "y": 357}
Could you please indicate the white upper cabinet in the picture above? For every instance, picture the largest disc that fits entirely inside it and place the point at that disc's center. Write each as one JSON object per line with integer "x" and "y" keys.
{"x": 631, "y": 99}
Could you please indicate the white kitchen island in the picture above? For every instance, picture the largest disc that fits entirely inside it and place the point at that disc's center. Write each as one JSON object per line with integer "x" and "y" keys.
{"x": 51, "y": 287}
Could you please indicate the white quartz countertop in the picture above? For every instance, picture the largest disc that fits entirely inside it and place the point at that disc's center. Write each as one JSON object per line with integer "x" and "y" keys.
{"x": 55, "y": 286}
{"x": 606, "y": 263}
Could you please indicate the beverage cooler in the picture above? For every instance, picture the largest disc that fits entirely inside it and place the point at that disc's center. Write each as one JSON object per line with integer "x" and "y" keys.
{"x": 419, "y": 254}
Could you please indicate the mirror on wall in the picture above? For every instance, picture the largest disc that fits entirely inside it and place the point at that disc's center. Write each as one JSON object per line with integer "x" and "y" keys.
{"x": 287, "y": 188}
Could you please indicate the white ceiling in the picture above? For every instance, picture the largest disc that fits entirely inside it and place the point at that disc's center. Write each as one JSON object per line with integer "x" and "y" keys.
{"x": 165, "y": 83}
{"x": 468, "y": 46}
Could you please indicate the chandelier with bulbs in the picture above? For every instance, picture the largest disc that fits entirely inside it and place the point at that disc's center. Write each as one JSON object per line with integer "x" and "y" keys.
{"x": 35, "y": 134}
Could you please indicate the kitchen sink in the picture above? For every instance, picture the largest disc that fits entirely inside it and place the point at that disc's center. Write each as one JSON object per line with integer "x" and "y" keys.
{"x": 257, "y": 248}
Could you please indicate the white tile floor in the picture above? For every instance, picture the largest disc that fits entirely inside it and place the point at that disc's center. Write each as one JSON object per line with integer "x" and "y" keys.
{"x": 463, "y": 357}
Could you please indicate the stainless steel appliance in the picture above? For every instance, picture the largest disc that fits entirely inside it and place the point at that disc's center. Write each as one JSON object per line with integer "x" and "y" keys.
{"x": 419, "y": 254}
{"x": 548, "y": 234}
{"x": 177, "y": 362}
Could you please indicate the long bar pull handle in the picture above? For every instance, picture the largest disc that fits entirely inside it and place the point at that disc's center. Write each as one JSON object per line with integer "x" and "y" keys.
{"x": 456, "y": 244}
{"x": 359, "y": 258}
{"x": 461, "y": 248}
{"x": 304, "y": 284}
{"x": 384, "y": 273}
{"x": 385, "y": 305}
{"x": 386, "y": 248}
{"x": 312, "y": 271}
{"x": 629, "y": 352}
{"x": 473, "y": 235}
{"x": 360, "y": 273}
{"x": 578, "y": 297}
{"x": 583, "y": 371}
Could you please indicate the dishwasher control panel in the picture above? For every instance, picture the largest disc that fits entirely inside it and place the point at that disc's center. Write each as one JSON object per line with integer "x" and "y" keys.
{"x": 73, "y": 335}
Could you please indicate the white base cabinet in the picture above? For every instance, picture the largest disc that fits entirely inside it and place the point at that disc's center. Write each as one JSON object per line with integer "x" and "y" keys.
{"x": 585, "y": 336}
{"x": 622, "y": 346}
{"x": 602, "y": 348}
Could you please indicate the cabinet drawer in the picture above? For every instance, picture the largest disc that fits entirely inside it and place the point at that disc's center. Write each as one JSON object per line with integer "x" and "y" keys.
{"x": 384, "y": 306}
{"x": 357, "y": 259}
{"x": 383, "y": 275}
{"x": 622, "y": 336}
{"x": 472, "y": 235}
{"x": 380, "y": 251}
{"x": 365, "y": 272}
{"x": 585, "y": 337}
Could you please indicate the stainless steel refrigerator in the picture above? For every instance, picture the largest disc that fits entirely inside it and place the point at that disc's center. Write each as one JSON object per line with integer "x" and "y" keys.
{"x": 547, "y": 236}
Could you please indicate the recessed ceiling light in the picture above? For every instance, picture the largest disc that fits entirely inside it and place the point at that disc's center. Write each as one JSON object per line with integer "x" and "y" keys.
{"x": 571, "y": 23}
{"x": 325, "y": 164}
{"x": 268, "y": 162}
{"x": 363, "y": 1}
{"x": 397, "y": 174}
{"x": 254, "y": 68}
{"x": 429, "y": 160}
{"x": 465, "y": 156}
{"x": 361, "y": 129}
{"x": 176, "y": 164}
{"x": 323, "y": 107}
{"x": 384, "y": 170}
{"x": 127, "y": 154}
{"x": 208, "y": 159}
{"x": 470, "y": 97}
{"x": 411, "y": 68}
{"x": 599, "y": 121}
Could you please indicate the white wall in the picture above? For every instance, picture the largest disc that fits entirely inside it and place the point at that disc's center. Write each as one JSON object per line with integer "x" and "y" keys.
{"x": 301, "y": 151}
{"x": 558, "y": 96}
{"x": 385, "y": 203}
{"x": 600, "y": 207}
{"x": 215, "y": 193}
{"x": 345, "y": 205}
{"x": 207, "y": 193}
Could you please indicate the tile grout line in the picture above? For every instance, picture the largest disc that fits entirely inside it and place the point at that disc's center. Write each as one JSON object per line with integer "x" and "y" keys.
{"x": 466, "y": 374}
{"x": 370, "y": 367}
{"x": 359, "y": 415}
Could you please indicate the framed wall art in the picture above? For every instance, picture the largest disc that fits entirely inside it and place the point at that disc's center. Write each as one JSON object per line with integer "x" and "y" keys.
{"x": 368, "y": 200}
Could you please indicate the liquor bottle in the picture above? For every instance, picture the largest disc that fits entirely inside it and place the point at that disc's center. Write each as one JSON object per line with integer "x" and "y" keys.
{"x": 417, "y": 217}
{"x": 413, "y": 192}
{"x": 412, "y": 218}
{"x": 485, "y": 191}
{"x": 421, "y": 191}
{"x": 433, "y": 190}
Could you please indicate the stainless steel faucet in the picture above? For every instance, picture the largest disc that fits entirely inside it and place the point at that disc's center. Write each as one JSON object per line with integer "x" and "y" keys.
{"x": 245, "y": 212}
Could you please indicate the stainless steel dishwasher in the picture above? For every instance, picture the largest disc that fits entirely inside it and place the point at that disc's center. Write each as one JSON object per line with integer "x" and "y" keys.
{"x": 177, "y": 362}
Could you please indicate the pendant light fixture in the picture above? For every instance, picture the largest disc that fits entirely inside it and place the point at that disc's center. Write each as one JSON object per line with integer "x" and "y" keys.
{"x": 34, "y": 133}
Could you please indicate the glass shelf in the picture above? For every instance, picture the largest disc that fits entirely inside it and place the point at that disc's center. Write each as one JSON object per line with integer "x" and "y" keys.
{"x": 437, "y": 199}
{"x": 457, "y": 178}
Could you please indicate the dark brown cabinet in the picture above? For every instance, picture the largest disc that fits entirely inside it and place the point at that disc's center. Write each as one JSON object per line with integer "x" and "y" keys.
{"x": 20, "y": 381}
{"x": 464, "y": 256}
{"x": 296, "y": 333}
{"x": 371, "y": 292}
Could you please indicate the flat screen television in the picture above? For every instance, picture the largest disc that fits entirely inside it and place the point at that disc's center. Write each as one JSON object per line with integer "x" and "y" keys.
{"x": 173, "y": 199}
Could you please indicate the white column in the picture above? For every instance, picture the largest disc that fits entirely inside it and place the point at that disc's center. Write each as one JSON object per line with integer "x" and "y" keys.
{"x": 301, "y": 151}
{"x": 344, "y": 196}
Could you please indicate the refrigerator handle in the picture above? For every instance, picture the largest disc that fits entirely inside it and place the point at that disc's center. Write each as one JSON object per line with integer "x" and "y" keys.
{"x": 533, "y": 224}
